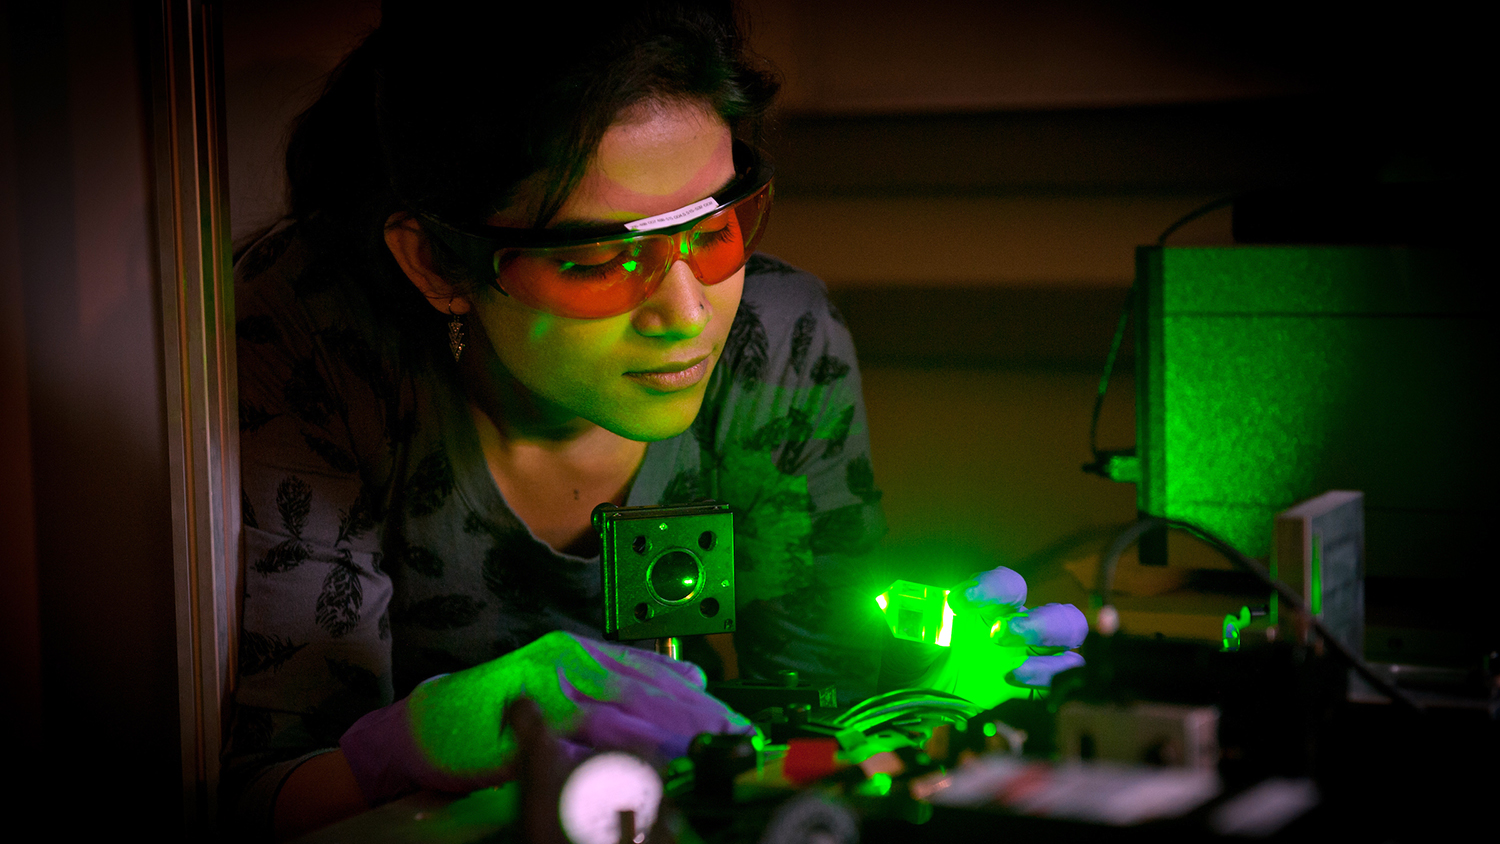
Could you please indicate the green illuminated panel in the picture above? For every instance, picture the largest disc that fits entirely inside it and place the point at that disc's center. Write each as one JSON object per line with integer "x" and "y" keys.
{"x": 1268, "y": 375}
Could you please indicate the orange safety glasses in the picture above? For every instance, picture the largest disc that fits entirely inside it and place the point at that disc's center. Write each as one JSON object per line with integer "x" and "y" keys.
{"x": 605, "y": 272}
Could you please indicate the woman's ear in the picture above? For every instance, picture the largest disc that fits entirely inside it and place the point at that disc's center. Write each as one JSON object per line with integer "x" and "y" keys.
{"x": 409, "y": 246}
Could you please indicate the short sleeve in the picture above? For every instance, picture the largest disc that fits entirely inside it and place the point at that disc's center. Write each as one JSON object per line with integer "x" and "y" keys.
{"x": 314, "y": 648}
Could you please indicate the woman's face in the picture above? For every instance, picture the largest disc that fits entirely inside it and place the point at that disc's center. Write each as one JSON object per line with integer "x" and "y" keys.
{"x": 641, "y": 374}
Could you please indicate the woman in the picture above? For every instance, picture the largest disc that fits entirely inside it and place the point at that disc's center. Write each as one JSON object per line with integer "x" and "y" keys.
{"x": 517, "y": 280}
{"x": 424, "y": 436}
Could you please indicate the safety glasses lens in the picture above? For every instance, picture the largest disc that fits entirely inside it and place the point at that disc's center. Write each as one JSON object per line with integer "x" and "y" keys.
{"x": 612, "y": 277}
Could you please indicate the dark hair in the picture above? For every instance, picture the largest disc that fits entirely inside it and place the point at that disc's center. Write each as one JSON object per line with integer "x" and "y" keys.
{"x": 448, "y": 107}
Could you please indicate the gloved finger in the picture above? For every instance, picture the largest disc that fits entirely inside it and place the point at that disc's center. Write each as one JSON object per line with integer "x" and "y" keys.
{"x": 660, "y": 698}
{"x": 611, "y": 727}
{"x": 604, "y": 672}
{"x": 608, "y": 728}
{"x": 659, "y": 671}
{"x": 652, "y": 664}
{"x": 1048, "y": 626}
{"x": 993, "y": 593}
{"x": 697, "y": 712}
{"x": 1037, "y": 671}
{"x": 646, "y": 664}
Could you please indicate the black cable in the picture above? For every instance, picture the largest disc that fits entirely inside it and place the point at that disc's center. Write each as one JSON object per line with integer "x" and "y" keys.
{"x": 1193, "y": 215}
{"x": 1107, "y": 563}
{"x": 896, "y": 697}
{"x": 1104, "y": 582}
{"x": 1109, "y": 368}
{"x": 1099, "y": 465}
{"x": 905, "y": 702}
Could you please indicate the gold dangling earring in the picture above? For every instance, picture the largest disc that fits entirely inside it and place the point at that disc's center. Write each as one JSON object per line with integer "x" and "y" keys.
{"x": 455, "y": 335}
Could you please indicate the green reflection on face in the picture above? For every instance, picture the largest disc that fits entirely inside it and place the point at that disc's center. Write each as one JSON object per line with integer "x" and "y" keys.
{"x": 542, "y": 327}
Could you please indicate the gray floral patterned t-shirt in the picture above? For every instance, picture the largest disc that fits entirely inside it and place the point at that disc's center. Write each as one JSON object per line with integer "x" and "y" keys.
{"x": 378, "y": 551}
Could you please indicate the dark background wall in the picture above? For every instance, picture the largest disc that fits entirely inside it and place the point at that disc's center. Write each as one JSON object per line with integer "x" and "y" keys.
{"x": 87, "y": 636}
{"x": 970, "y": 178}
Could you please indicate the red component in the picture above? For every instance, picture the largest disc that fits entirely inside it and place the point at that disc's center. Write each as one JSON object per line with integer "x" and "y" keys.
{"x": 808, "y": 760}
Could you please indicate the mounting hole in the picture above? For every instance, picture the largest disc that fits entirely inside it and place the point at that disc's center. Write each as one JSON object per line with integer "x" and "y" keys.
{"x": 707, "y": 540}
{"x": 642, "y": 611}
{"x": 641, "y": 544}
{"x": 709, "y": 607}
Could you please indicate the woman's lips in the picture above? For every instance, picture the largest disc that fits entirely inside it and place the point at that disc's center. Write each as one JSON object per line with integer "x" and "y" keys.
{"x": 674, "y": 380}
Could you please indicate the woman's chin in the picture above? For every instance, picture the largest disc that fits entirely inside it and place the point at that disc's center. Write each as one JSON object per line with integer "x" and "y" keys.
{"x": 662, "y": 419}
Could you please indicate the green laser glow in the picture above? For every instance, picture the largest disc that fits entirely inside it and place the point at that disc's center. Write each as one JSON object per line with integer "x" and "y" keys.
{"x": 453, "y": 716}
{"x": 542, "y": 326}
{"x": 629, "y": 266}
{"x": 879, "y": 785}
{"x": 917, "y": 613}
{"x": 990, "y": 731}
{"x": 976, "y": 666}
{"x": 1232, "y": 628}
{"x": 945, "y": 632}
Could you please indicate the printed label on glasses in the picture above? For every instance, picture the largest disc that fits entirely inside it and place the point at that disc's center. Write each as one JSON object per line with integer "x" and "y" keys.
{"x": 686, "y": 212}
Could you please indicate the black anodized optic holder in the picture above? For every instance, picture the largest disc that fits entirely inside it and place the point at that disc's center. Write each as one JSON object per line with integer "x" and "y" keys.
{"x": 668, "y": 570}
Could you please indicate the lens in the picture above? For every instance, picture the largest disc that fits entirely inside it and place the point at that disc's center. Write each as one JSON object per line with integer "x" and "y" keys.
{"x": 721, "y": 244}
{"x": 583, "y": 282}
{"x": 715, "y": 248}
{"x": 674, "y": 576}
{"x": 752, "y": 215}
{"x": 611, "y": 277}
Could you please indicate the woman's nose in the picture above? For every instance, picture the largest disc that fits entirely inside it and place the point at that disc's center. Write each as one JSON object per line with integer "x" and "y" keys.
{"x": 679, "y": 307}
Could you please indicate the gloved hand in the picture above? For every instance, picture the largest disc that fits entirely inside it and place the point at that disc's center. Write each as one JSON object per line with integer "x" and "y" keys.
{"x": 449, "y": 735}
{"x": 1000, "y": 649}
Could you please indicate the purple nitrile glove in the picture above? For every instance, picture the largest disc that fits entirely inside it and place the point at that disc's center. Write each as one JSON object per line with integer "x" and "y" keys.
{"x": 992, "y": 594}
{"x": 1049, "y": 631}
{"x": 449, "y": 735}
{"x": 1000, "y": 649}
